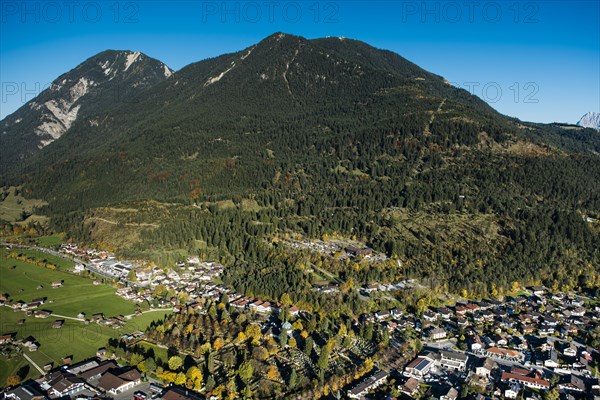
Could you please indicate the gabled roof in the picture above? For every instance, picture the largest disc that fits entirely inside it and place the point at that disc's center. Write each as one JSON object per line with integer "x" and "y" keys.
{"x": 488, "y": 364}
{"x": 100, "y": 369}
{"x": 454, "y": 356}
{"x": 110, "y": 380}
{"x": 505, "y": 352}
{"x": 25, "y": 392}
{"x": 411, "y": 385}
{"x": 451, "y": 393}
{"x": 573, "y": 381}
{"x": 64, "y": 381}
{"x": 178, "y": 393}
{"x": 507, "y": 376}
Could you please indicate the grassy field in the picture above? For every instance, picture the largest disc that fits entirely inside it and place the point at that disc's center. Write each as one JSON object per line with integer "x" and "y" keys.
{"x": 13, "y": 205}
{"x": 77, "y": 295}
{"x": 60, "y": 262}
{"x": 50, "y": 240}
{"x": 73, "y": 338}
{"x": 12, "y": 366}
{"x": 160, "y": 353}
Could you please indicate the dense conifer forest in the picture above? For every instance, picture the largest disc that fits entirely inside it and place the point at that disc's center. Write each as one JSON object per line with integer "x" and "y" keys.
{"x": 329, "y": 137}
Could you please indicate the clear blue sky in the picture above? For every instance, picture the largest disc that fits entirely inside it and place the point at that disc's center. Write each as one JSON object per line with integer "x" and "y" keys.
{"x": 544, "y": 56}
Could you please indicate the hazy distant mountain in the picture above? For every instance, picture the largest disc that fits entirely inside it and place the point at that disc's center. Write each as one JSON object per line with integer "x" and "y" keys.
{"x": 590, "y": 120}
{"x": 99, "y": 83}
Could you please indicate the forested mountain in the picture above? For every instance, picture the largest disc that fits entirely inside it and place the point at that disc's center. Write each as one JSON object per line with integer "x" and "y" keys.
{"x": 100, "y": 82}
{"x": 331, "y": 135}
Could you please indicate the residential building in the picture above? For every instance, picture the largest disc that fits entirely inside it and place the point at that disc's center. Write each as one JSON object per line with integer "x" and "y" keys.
{"x": 25, "y": 392}
{"x": 64, "y": 384}
{"x": 484, "y": 367}
{"x": 529, "y": 381}
{"x": 114, "y": 382}
{"x": 453, "y": 361}
{"x": 410, "y": 387}
{"x": 421, "y": 365}
{"x": 368, "y": 384}
{"x": 450, "y": 394}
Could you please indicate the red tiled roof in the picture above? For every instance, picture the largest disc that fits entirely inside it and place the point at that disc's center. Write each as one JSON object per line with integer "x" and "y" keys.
{"x": 525, "y": 379}
{"x": 504, "y": 352}
{"x": 520, "y": 371}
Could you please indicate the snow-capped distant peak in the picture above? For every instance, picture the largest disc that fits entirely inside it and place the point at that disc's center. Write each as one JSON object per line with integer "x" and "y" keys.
{"x": 590, "y": 120}
{"x": 131, "y": 58}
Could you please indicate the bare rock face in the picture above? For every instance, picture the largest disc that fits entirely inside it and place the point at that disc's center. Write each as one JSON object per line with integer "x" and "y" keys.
{"x": 590, "y": 120}
{"x": 87, "y": 90}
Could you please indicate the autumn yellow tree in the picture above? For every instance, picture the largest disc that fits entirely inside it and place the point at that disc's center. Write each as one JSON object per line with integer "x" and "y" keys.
{"x": 421, "y": 305}
{"x": 180, "y": 379}
{"x": 194, "y": 374}
{"x": 168, "y": 376}
{"x": 514, "y": 287}
{"x": 218, "y": 344}
{"x": 368, "y": 365}
{"x": 348, "y": 285}
{"x": 285, "y": 299}
{"x": 297, "y": 326}
{"x": 175, "y": 362}
{"x": 494, "y": 291}
{"x": 141, "y": 366}
{"x": 205, "y": 348}
{"x": 253, "y": 332}
{"x": 273, "y": 373}
{"x": 13, "y": 380}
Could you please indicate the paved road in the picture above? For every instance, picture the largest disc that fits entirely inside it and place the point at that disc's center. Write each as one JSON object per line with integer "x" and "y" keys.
{"x": 64, "y": 316}
{"x": 34, "y": 364}
{"x": 129, "y": 316}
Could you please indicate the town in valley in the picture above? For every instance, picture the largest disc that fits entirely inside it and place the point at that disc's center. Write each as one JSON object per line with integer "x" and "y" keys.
{"x": 535, "y": 344}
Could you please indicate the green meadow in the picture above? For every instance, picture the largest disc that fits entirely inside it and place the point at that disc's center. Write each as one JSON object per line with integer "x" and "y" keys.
{"x": 16, "y": 208}
{"x": 50, "y": 240}
{"x": 24, "y": 281}
{"x": 61, "y": 262}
